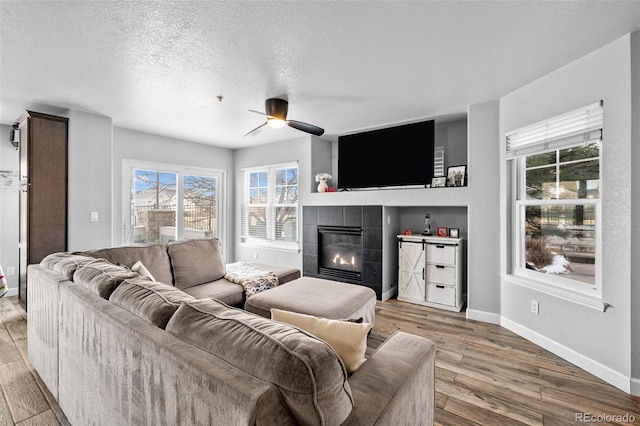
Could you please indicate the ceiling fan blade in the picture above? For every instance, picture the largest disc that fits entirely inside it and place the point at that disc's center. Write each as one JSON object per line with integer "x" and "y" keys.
{"x": 257, "y": 130}
{"x": 305, "y": 127}
{"x": 257, "y": 112}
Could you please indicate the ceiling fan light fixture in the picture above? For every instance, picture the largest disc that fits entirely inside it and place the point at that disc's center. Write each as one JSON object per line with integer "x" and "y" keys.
{"x": 276, "y": 123}
{"x": 276, "y": 117}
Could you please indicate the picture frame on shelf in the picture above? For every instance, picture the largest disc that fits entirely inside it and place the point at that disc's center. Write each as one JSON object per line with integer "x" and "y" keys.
{"x": 454, "y": 233}
{"x": 438, "y": 182}
{"x": 442, "y": 231}
{"x": 457, "y": 175}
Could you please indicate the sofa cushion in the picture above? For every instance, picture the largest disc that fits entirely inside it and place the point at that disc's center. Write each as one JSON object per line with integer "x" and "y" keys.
{"x": 102, "y": 276}
{"x": 307, "y": 372}
{"x": 347, "y": 338}
{"x": 225, "y": 291}
{"x": 65, "y": 263}
{"x": 153, "y": 256}
{"x": 196, "y": 261}
{"x": 152, "y": 301}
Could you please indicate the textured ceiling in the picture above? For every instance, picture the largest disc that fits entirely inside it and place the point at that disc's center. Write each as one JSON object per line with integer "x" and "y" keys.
{"x": 157, "y": 67}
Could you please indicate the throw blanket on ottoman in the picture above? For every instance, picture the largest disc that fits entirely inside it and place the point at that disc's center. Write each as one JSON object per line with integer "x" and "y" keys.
{"x": 253, "y": 278}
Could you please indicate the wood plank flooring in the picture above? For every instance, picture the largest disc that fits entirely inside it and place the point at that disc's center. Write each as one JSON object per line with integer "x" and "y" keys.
{"x": 24, "y": 399}
{"x": 485, "y": 374}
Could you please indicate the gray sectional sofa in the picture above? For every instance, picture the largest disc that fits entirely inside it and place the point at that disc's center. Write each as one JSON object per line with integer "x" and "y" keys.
{"x": 116, "y": 348}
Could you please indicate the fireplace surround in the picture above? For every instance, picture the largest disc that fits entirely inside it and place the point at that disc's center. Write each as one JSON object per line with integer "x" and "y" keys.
{"x": 343, "y": 243}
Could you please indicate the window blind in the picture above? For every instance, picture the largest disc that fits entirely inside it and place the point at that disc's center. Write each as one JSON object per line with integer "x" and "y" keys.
{"x": 269, "y": 205}
{"x": 255, "y": 204}
{"x": 580, "y": 125}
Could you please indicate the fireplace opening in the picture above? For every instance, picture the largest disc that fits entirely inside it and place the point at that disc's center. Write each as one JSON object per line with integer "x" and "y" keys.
{"x": 340, "y": 252}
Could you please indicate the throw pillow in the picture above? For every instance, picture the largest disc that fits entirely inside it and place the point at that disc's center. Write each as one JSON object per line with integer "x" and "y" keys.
{"x": 348, "y": 339}
{"x": 140, "y": 269}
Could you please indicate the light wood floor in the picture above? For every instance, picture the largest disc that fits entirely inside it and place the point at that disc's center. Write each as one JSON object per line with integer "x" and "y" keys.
{"x": 24, "y": 400}
{"x": 485, "y": 374}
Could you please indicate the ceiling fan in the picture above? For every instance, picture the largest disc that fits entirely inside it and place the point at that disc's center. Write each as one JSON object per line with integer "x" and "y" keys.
{"x": 276, "y": 113}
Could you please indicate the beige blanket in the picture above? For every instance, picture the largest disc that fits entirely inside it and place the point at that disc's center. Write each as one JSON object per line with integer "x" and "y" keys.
{"x": 253, "y": 278}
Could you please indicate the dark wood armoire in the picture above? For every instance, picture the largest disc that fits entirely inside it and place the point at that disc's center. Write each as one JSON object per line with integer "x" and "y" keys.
{"x": 43, "y": 190}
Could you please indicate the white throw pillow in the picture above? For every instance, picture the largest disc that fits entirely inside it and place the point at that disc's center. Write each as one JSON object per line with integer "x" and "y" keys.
{"x": 348, "y": 339}
{"x": 142, "y": 270}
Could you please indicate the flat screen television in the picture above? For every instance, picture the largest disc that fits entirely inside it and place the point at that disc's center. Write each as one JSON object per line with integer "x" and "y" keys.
{"x": 395, "y": 156}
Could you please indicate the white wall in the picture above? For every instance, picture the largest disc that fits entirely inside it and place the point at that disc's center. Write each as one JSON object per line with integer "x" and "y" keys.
{"x": 597, "y": 341}
{"x": 453, "y": 137}
{"x": 483, "y": 247}
{"x": 9, "y": 212}
{"x": 89, "y": 181}
{"x": 321, "y": 162}
{"x": 133, "y": 145}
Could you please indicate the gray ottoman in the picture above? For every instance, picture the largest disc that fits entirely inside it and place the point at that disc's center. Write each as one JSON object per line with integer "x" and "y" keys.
{"x": 318, "y": 297}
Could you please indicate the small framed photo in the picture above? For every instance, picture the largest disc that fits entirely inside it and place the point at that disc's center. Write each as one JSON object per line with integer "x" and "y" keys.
{"x": 442, "y": 231}
{"x": 454, "y": 233}
{"x": 439, "y": 182}
{"x": 457, "y": 175}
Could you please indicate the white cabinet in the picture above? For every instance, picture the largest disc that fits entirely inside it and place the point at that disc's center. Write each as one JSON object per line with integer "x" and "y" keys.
{"x": 431, "y": 271}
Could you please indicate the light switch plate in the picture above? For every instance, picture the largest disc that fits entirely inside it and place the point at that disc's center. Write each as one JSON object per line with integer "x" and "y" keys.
{"x": 94, "y": 216}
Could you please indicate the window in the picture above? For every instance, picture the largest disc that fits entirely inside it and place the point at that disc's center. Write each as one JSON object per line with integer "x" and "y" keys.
{"x": 166, "y": 203}
{"x": 556, "y": 202}
{"x": 270, "y": 206}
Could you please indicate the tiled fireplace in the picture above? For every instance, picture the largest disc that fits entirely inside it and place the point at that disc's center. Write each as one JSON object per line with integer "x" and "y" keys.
{"x": 344, "y": 243}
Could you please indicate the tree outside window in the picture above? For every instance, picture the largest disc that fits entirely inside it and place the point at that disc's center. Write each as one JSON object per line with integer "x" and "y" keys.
{"x": 560, "y": 215}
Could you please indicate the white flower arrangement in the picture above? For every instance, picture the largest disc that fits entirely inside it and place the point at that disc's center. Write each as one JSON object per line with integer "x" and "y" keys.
{"x": 323, "y": 176}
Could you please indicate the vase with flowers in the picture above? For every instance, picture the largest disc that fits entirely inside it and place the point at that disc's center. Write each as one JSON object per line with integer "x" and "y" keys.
{"x": 322, "y": 179}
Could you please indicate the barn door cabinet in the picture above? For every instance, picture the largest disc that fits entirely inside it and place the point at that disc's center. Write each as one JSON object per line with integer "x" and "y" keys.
{"x": 431, "y": 271}
{"x": 43, "y": 190}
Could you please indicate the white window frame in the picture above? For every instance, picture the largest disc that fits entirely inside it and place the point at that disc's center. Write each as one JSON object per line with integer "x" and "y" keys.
{"x": 555, "y": 285}
{"x": 270, "y": 242}
{"x": 129, "y": 165}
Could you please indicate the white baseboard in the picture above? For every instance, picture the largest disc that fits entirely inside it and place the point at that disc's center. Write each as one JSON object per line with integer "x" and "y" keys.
{"x": 489, "y": 317}
{"x": 605, "y": 373}
{"x": 389, "y": 293}
{"x": 635, "y": 387}
{"x": 11, "y": 292}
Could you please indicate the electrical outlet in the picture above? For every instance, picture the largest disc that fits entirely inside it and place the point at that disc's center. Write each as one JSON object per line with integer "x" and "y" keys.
{"x": 11, "y": 270}
{"x": 535, "y": 307}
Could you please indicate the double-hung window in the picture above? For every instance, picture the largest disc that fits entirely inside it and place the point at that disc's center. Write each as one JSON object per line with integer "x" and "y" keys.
{"x": 270, "y": 206}
{"x": 556, "y": 204}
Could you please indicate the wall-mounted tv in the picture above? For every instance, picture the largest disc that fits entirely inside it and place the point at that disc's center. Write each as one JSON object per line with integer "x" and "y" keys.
{"x": 395, "y": 156}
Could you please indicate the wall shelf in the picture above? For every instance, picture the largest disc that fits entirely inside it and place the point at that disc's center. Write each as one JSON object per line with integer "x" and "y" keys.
{"x": 459, "y": 196}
